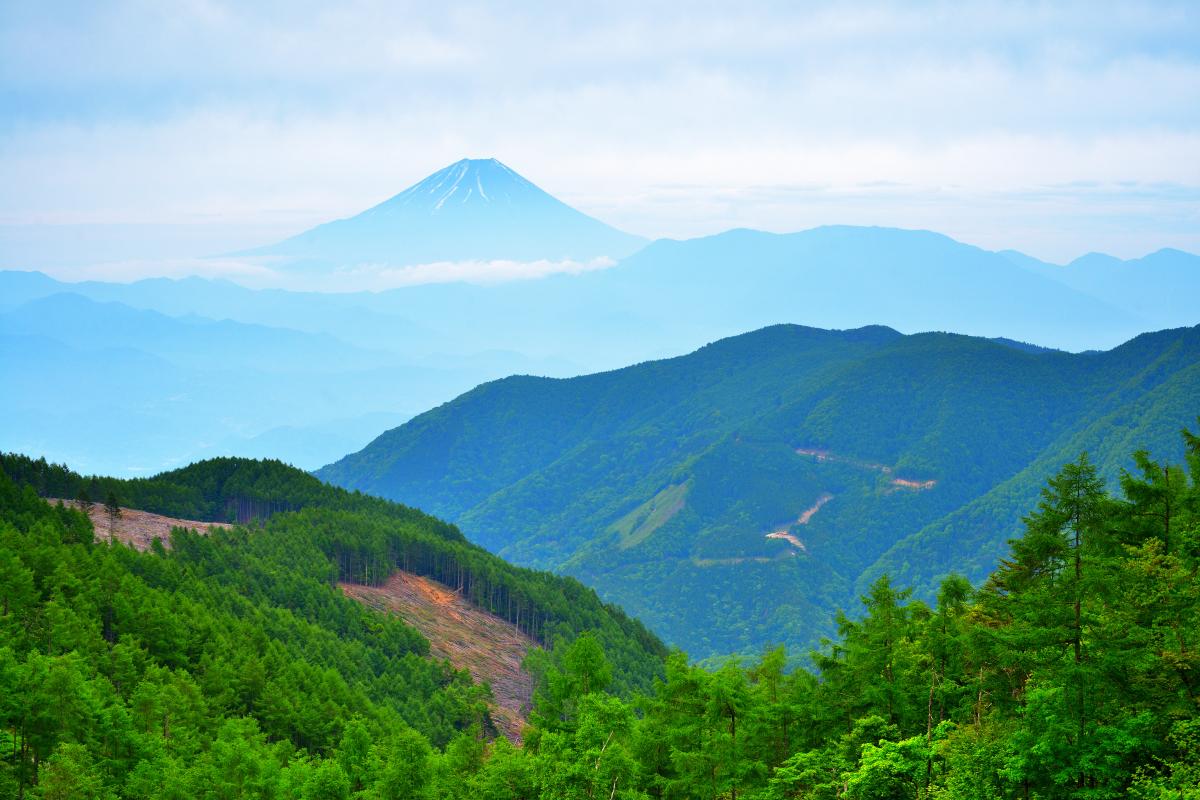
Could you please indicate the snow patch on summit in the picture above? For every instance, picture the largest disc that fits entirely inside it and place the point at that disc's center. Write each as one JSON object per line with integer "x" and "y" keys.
{"x": 474, "y": 210}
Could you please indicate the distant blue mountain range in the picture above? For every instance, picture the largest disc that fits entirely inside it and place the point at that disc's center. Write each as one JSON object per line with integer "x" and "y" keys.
{"x": 1160, "y": 286}
{"x": 240, "y": 370}
{"x": 117, "y": 389}
{"x": 474, "y": 209}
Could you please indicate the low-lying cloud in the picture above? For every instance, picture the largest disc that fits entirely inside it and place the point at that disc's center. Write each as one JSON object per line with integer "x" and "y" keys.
{"x": 278, "y": 273}
{"x": 379, "y": 277}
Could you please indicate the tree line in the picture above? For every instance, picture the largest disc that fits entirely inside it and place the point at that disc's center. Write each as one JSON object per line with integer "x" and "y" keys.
{"x": 231, "y": 667}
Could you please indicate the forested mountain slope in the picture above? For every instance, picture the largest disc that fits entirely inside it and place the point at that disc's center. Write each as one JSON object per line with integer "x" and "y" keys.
{"x": 231, "y": 667}
{"x": 733, "y": 497}
{"x": 333, "y": 535}
{"x": 490, "y": 648}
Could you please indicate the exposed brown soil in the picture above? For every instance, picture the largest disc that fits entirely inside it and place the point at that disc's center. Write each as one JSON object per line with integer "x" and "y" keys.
{"x": 788, "y": 537}
{"x": 814, "y": 508}
{"x": 825, "y": 455}
{"x": 722, "y": 562}
{"x": 897, "y": 483}
{"x": 137, "y": 528}
{"x": 488, "y": 647}
{"x": 803, "y": 519}
{"x": 916, "y": 486}
{"x": 485, "y": 645}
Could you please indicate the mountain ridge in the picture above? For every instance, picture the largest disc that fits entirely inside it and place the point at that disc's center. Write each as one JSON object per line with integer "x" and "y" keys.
{"x": 469, "y": 637}
{"x": 474, "y": 209}
{"x": 552, "y": 473}
{"x": 355, "y": 539}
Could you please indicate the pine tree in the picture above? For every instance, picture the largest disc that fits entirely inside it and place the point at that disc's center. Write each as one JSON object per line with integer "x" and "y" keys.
{"x": 1049, "y": 596}
{"x": 112, "y": 507}
{"x": 84, "y": 499}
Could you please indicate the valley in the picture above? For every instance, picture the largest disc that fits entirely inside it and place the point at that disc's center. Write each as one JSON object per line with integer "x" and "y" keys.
{"x": 319, "y": 663}
{"x": 600, "y": 401}
{"x": 669, "y": 485}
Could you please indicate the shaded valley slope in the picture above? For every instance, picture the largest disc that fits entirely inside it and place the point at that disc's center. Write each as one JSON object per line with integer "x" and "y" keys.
{"x": 733, "y": 497}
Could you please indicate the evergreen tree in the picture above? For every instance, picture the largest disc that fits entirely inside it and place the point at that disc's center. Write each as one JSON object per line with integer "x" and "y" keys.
{"x": 231, "y": 666}
{"x": 84, "y": 499}
{"x": 112, "y": 507}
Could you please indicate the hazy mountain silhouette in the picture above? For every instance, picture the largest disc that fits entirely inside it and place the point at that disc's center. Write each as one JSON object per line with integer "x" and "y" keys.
{"x": 474, "y": 209}
{"x": 1162, "y": 286}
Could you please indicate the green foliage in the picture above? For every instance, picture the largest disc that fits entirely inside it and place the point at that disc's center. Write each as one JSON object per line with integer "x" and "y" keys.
{"x": 218, "y": 489}
{"x": 231, "y": 665}
{"x": 328, "y": 782}
{"x": 405, "y": 772}
{"x": 658, "y": 484}
{"x": 71, "y": 774}
{"x": 1071, "y": 673}
{"x": 889, "y": 770}
{"x": 1178, "y": 775}
{"x": 366, "y": 539}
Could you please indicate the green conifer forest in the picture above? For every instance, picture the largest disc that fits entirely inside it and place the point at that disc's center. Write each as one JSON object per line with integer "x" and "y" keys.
{"x": 229, "y": 666}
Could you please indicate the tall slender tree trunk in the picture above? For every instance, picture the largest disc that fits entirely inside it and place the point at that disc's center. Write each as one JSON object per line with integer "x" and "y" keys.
{"x": 929, "y": 732}
{"x": 1079, "y": 639}
{"x": 979, "y": 699}
{"x": 733, "y": 738}
{"x": 1166, "y": 510}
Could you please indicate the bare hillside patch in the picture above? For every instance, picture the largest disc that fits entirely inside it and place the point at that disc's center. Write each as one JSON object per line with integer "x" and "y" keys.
{"x": 485, "y": 645}
{"x": 894, "y": 482}
{"x": 786, "y": 534}
{"x": 137, "y": 528}
{"x": 636, "y": 526}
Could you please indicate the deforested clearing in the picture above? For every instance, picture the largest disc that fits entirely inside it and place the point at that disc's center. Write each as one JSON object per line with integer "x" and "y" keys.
{"x": 490, "y": 648}
{"x": 135, "y": 528}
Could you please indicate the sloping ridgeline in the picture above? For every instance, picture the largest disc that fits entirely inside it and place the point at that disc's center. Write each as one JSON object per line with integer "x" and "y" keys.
{"x": 308, "y": 531}
{"x": 218, "y": 671}
{"x": 734, "y": 497}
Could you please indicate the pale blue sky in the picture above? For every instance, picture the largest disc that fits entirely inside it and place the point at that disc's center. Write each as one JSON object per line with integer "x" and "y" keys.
{"x": 146, "y": 132}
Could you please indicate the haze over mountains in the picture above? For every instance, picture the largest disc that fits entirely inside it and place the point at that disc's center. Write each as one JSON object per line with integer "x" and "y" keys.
{"x": 1157, "y": 286}
{"x": 733, "y": 497}
{"x": 805, "y": 405}
{"x": 309, "y": 376}
{"x": 726, "y": 501}
{"x": 474, "y": 209}
{"x": 161, "y": 390}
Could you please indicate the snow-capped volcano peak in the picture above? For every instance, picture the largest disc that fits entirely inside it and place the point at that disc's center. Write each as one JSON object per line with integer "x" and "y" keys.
{"x": 471, "y": 180}
{"x": 477, "y": 209}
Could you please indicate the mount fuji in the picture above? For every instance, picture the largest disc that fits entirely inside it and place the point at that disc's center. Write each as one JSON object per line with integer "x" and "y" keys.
{"x": 474, "y": 209}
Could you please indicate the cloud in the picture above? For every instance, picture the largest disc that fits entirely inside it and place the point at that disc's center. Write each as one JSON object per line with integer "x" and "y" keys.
{"x": 290, "y": 114}
{"x": 277, "y": 273}
{"x": 379, "y": 277}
